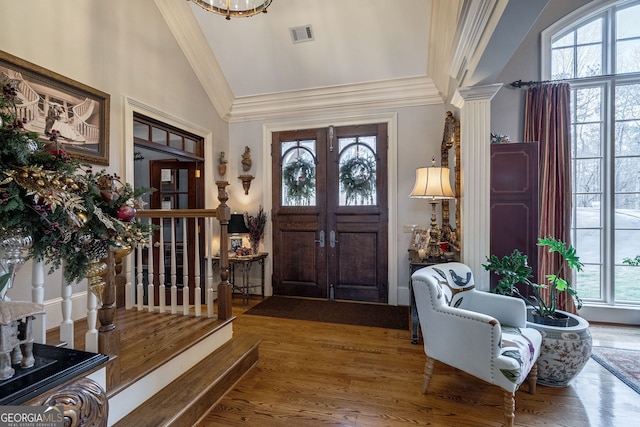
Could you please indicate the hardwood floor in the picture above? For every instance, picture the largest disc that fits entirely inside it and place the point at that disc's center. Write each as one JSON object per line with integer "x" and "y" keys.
{"x": 315, "y": 374}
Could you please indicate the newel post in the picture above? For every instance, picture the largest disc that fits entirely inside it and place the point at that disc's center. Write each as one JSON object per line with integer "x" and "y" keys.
{"x": 223, "y": 215}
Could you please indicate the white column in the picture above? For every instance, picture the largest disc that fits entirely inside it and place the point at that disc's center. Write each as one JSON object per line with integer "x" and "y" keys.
{"x": 39, "y": 324}
{"x": 475, "y": 156}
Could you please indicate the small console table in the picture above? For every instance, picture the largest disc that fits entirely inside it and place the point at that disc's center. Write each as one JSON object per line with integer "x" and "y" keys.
{"x": 244, "y": 264}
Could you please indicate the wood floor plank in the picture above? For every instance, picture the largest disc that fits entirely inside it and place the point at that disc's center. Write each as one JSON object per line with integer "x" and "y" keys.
{"x": 321, "y": 374}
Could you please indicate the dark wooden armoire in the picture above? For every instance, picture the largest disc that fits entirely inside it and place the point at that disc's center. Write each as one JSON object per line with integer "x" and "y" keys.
{"x": 514, "y": 202}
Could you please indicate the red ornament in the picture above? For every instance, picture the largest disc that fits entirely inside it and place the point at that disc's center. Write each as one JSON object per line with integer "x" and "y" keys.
{"x": 109, "y": 195}
{"x": 126, "y": 213}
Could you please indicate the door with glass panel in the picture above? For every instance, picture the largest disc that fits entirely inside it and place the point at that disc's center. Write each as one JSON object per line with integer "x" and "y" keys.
{"x": 330, "y": 213}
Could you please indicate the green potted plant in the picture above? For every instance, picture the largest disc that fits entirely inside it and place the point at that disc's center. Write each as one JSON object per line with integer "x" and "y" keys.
{"x": 566, "y": 339}
{"x": 514, "y": 269}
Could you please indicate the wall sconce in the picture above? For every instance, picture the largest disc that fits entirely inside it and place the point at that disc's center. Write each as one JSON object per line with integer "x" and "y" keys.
{"x": 246, "y": 182}
{"x": 433, "y": 183}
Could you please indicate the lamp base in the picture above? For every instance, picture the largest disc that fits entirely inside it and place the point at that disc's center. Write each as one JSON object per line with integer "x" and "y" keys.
{"x": 433, "y": 249}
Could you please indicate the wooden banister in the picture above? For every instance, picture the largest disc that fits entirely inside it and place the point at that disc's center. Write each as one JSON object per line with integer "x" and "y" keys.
{"x": 224, "y": 287}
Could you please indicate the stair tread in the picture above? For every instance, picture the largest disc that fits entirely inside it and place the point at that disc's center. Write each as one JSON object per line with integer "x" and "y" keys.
{"x": 197, "y": 387}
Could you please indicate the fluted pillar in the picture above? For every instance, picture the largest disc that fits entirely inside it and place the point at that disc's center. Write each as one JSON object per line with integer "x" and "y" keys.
{"x": 475, "y": 129}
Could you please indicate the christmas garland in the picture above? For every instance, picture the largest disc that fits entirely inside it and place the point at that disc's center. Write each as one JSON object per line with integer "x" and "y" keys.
{"x": 358, "y": 178}
{"x": 299, "y": 178}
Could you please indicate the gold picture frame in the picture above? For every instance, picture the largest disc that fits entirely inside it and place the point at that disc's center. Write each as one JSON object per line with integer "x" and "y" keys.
{"x": 50, "y": 101}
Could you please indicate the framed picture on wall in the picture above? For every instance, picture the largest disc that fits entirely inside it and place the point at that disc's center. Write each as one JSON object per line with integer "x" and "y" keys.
{"x": 49, "y": 101}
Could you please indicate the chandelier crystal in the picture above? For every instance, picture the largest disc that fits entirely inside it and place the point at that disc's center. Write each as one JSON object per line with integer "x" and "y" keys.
{"x": 234, "y": 8}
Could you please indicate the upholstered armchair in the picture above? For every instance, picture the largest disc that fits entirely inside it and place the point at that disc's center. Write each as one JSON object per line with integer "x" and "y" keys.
{"x": 480, "y": 333}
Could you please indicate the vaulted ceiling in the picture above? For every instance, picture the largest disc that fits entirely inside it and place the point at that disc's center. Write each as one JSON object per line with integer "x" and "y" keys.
{"x": 364, "y": 53}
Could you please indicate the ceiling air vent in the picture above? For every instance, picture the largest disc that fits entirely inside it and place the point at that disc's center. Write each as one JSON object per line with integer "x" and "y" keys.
{"x": 301, "y": 34}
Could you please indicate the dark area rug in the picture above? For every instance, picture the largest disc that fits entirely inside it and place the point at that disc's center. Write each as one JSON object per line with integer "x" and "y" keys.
{"x": 624, "y": 364}
{"x": 342, "y": 312}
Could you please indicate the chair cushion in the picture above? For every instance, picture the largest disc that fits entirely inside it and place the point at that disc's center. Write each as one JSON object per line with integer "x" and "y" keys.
{"x": 519, "y": 351}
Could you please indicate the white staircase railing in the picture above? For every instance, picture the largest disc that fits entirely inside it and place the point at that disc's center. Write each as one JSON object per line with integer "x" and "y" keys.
{"x": 181, "y": 243}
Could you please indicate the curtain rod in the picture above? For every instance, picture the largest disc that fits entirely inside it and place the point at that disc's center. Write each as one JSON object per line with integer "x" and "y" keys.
{"x": 519, "y": 83}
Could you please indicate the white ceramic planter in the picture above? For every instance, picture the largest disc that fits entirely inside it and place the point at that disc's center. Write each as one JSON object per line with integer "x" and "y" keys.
{"x": 564, "y": 352}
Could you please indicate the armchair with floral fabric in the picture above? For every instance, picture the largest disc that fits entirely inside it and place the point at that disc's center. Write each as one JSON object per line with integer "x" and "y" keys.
{"x": 480, "y": 333}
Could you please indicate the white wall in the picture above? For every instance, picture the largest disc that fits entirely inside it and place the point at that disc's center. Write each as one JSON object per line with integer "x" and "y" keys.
{"x": 120, "y": 47}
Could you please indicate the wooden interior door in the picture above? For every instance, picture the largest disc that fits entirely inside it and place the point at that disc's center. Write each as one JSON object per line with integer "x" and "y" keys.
{"x": 178, "y": 185}
{"x": 330, "y": 216}
{"x": 514, "y": 203}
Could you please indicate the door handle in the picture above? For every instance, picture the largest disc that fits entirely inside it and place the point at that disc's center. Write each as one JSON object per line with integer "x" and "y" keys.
{"x": 321, "y": 240}
{"x": 332, "y": 239}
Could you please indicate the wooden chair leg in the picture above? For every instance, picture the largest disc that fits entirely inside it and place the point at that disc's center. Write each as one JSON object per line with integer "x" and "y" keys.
{"x": 426, "y": 376}
{"x": 509, "y": 408}
{"x": 532, "y": 378}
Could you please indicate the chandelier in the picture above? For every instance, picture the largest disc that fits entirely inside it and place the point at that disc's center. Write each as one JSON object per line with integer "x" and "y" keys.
{"x": 234, "y": 8}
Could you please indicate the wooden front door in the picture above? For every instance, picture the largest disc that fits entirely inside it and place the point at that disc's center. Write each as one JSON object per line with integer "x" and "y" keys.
{"x": 178, "y": 185}
{"x": 330, "y": 213}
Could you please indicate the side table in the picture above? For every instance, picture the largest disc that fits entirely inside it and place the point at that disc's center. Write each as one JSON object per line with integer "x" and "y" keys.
{"x": 244, "y": 264}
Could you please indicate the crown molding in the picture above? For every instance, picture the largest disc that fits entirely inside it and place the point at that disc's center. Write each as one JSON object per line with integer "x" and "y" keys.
{"x": 476, "y": 23}
{"x": 186, "y": 31}
{"x": 361, "y": 97}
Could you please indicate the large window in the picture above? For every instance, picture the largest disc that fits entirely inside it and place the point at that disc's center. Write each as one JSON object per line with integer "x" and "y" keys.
{"x": 600, "y": 57}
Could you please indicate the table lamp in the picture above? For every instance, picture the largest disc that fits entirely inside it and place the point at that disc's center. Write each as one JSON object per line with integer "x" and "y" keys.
{"x": 433, "y": 183}
{"x": 235, "y": 228}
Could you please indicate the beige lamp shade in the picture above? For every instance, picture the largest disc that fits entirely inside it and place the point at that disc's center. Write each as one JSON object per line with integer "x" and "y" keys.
{"x": 432, "y": 183}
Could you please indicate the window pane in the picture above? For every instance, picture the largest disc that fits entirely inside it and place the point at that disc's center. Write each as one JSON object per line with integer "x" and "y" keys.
{"x": 628, "y": 56}
{"x": 357, "y": 171}
{"x": 190, "y": 145}
{"x": 588, "y": 282}
{"x": 589, "y": 216}
{"x": 590, "y": 33}
{"x": 562, "y": 63}
{"x": 587, "y": 140}
{"x": 630, "y": 202}
{"x": 159, "y": 136}
{"x": 627, "y": 171}
{"x": 175, "y": 141}
{"x": 627, "y": 142}
{"x": 298, "y": 173}
{"x": 627, "y": 102}
{"x": 627, "y": 241}
{"x": 626, "y": 283}
{"x": 589, "y": 60}
{"x": 587, "y": 176}
{"x": 140, "y": 130}
{"x": 588, "y": 245}
{"x": 567, "y": 40}
{"x": 588, "y": 105}
{"x": 627, "y": 22}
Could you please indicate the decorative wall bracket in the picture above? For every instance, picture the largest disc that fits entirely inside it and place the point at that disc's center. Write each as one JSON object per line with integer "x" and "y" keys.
{"x": 246, "y": 182}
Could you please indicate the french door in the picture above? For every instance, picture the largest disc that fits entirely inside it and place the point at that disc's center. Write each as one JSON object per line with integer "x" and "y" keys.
{"x": 330, "y": 214}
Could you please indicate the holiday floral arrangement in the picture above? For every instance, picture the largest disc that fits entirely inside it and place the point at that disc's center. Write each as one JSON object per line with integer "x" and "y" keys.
{"x": 71, "y": 214}
{"x": 256, "y": 225}
{"x": 299, "y": 177}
